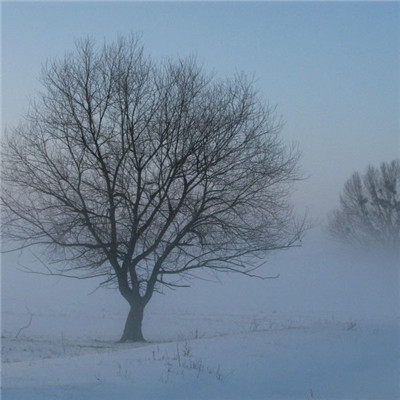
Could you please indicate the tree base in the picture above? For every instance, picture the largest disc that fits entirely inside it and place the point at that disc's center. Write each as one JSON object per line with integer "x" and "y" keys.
{"x": 127, "y": 340}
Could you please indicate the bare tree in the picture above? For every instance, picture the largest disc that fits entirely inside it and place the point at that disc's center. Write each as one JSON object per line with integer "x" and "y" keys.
{"x": 369, "y": 212}
{"x": 143, "y": 173}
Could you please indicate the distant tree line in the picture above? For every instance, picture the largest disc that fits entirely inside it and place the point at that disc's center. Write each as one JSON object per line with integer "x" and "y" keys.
{"x": 369, "y": 210}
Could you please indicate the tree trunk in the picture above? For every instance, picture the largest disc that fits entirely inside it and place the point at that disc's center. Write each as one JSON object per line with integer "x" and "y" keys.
{"x": 133, "y": 325}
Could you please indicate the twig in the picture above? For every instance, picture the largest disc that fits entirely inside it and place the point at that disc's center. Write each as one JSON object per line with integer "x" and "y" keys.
{"x": 26, "y": 326}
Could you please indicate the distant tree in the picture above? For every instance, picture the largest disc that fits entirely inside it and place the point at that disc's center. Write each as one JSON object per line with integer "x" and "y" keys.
{"x": 369, "y": 212}
{"x": 143, "y": 173}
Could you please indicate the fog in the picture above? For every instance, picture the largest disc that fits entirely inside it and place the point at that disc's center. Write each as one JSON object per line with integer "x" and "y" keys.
{"x": 331, "y": 69}
{"x": 318, "y": 282}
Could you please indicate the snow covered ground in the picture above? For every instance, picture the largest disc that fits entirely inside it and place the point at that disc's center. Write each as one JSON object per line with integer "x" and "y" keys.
{"x": 329, "y": 360}
{"x": 328, "y": 328}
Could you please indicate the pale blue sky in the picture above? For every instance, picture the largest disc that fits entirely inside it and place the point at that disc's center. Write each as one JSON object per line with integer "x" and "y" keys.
{"x": 331, "y": 68}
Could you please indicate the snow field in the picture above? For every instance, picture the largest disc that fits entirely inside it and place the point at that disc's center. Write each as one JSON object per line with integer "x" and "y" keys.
{"x": 256, "y": 360}
{"x": 328, "y": 329}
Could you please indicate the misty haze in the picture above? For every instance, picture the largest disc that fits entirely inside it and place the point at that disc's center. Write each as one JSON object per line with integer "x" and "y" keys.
{"x": 200, "y": 201}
